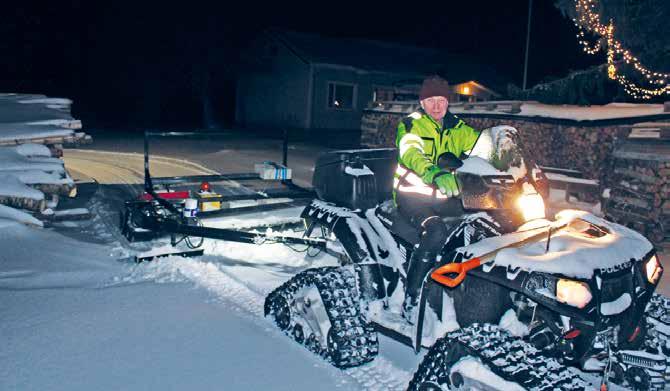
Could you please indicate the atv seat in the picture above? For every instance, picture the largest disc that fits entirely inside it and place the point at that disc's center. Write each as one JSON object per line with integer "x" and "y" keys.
{"x": 397, "y": 223}
{"x": 400, "y": 226}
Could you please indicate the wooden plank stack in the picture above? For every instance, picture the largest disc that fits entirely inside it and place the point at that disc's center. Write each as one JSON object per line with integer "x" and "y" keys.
{"x": 37, "y": 119}
{"x": 33, "y": 130}
{"x": 639, "y": 183}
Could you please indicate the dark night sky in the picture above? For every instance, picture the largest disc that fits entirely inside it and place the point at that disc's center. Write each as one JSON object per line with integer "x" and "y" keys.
{"x": 113, "y": 57}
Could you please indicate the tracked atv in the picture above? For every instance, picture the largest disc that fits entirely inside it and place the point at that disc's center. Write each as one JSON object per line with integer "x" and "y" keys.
{"x": 541, "y": 298}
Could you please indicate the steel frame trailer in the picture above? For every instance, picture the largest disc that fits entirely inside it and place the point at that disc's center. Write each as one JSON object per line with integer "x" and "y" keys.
{"x": 146, "y": 219}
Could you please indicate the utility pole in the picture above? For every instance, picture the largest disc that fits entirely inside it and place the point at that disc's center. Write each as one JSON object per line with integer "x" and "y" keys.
{"x": 525, "y": 62}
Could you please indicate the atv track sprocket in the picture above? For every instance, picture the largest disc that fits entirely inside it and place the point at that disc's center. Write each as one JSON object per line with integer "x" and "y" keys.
{"x": 506, "y": 356}
{"x": 351, "y": 341}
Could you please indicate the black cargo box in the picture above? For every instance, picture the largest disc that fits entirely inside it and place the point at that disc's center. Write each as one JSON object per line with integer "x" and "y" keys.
{"x": 356, "y": 179}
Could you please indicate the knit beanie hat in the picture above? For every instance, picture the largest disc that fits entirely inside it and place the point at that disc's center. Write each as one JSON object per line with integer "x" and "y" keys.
{"x": 434, "y": 86}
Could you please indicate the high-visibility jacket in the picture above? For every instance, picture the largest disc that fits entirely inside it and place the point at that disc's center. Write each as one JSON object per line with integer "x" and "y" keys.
{"x": 420, "y": 141}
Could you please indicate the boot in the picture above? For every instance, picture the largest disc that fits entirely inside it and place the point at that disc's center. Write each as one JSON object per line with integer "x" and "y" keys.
{"x": 419, "y": 265}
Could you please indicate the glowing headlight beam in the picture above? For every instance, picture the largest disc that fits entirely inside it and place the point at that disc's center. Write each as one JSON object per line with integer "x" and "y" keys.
{"x": 531, "y": 206}
{"x": 574, "y": 293}
{"x": 653, "y": 269}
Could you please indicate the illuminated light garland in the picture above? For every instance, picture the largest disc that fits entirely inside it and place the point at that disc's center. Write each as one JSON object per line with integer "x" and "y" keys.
{"x": 588, "y": 19}
{"x": 611, "y": 69}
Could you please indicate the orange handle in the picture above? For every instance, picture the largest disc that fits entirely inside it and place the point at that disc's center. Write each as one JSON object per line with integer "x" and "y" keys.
{"x": 441, "y": 273}
{"x": 460, "y": 269}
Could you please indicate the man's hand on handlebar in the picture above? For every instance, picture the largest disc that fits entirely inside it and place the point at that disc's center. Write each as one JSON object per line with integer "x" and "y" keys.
{"x": 446, "y": 183}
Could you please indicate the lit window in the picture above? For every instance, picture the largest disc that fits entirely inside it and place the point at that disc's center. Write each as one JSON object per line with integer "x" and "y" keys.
{"x": 466, "y": 90}
{"x": 341, "y": 96}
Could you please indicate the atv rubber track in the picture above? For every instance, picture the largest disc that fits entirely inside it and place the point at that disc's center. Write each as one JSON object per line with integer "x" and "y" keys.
{"x": 658, "y": 327}
{"x": 507, "y": 356}
{"x": 659, "y": 308}
{"x": 355, "y": 340}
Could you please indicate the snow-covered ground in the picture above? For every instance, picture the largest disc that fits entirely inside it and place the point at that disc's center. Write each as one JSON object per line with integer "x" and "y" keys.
{"x": 73, "y": 317}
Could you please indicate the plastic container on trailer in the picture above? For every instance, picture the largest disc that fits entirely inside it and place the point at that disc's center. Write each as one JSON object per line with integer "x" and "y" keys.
{"x": 356, "y": 179}
{"x": 272, "y": 171}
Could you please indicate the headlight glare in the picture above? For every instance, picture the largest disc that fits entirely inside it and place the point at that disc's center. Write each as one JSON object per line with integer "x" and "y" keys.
{"x": 574, "y": 293}
{"x": 531, "y": 206}
{"x": 653, "y": 269}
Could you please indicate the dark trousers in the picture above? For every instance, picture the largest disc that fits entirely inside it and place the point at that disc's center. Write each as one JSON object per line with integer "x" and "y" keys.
{"x": 425, "y": 213}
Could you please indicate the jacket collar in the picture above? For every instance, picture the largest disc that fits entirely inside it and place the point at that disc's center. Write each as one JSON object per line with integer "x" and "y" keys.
{"x": 449, "y": 121}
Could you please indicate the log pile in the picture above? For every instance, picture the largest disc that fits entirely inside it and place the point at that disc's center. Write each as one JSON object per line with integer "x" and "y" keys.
{"x": 33, "y": 131}
{"x": 37, "y": 119}
{"x": 30, "y": 177}
{"x": 639, "y": 183}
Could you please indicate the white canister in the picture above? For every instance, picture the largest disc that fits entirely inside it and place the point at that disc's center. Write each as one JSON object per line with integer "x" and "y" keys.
{"x": 190, "y": 207}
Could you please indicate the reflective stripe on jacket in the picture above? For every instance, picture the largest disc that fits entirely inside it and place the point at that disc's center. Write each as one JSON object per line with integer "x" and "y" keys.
{"x": 406, "y": 181}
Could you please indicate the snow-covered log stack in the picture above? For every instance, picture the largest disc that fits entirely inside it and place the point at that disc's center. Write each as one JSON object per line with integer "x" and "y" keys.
{"x": 38, "y": 119}
{"x": 30, "y": 177}
{"x": 639, "y": 183}
{"x": 33, "y": 130}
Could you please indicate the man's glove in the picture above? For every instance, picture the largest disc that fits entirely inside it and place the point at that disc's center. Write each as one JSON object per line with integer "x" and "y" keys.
{"x": 446, "y": 182}
{"x": 429, "y": 176}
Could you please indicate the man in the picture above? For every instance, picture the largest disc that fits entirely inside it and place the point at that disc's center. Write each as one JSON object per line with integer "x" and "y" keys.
{"x": 423, "y": 192}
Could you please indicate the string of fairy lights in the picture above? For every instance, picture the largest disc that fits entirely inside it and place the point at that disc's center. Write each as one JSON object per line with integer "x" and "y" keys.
{"x": 588, "y": 20}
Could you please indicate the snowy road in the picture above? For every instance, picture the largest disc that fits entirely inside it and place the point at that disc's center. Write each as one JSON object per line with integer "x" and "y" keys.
{"x": 126, "y": 168}
{"x": 229, "y": 153}
{"x": 79, "y": 320}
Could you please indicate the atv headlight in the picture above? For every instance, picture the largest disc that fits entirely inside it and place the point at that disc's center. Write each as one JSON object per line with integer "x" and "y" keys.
{"x": 531, "y": 206}
{"x": 653, "y": 269}
{"x": 574, "y": 293}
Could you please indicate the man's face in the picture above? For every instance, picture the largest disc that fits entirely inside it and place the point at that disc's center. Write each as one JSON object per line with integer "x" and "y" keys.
{"x": 435, "y": 106}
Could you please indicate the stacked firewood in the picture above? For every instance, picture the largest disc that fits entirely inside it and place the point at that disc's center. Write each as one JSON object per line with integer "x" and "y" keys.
{"x": 583, "y": 148}
{"x": 639, "y": 184}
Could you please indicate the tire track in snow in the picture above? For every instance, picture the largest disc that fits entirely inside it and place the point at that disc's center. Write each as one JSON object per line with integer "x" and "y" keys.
{"x": 131, "y": 165}
{"x": 378, "y": 375}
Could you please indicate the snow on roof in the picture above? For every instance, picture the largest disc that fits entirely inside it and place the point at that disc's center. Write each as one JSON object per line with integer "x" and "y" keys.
{"x": 539, "y": 110}
{"x": 573, "y": 112}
